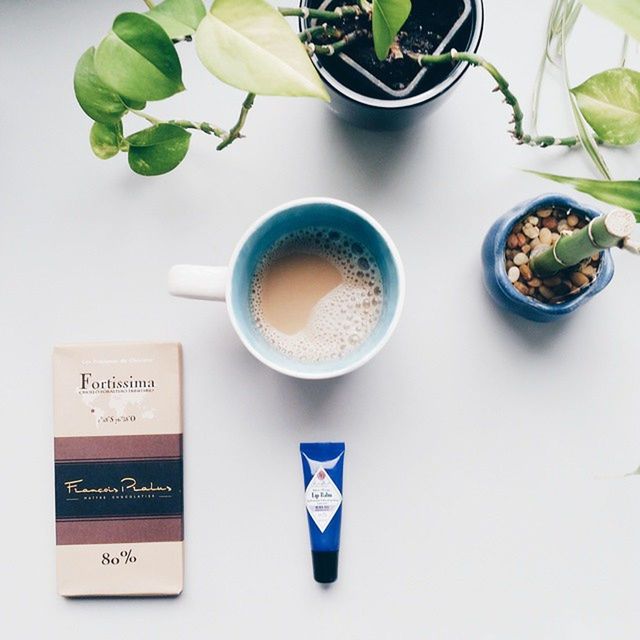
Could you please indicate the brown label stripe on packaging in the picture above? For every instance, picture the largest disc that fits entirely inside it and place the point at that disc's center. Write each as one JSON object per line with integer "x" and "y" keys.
{"x": 141, "y": 447}
{"x": 108, "y": 531}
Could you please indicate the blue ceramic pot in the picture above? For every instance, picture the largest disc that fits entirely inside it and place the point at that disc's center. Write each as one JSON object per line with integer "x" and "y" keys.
{"x": 388, "y": 112}
{"x": 495, "y": 273}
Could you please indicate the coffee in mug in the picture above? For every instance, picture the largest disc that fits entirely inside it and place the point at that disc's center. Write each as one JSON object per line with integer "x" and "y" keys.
{"x": 317, "y": 294}
{"x": 314, "y": 288}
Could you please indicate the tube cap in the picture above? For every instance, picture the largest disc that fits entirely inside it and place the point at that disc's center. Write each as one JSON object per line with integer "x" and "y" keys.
{"x": 325, "y": 566}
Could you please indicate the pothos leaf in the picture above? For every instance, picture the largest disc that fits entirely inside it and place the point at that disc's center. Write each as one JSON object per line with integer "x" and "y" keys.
{"x": 388, "y": 18}
{"x": 105, "y": 139}
{"x": 97, "y": 100}
{"x": 620, "y": 193}
{"x": 624, "y": 13}
{"x": 249, "y": 45}
{"x": 610, "y": 103}
{"x": 158, "y": 149}
{"x": 134, "y": 104}
{"x": 179, "y": 18}
{"x": 138, "y": 60}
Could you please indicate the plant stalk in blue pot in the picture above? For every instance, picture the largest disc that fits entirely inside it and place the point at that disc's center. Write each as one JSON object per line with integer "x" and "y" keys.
{"x": 367, "y": 52}
{"x": 546, "y": 257}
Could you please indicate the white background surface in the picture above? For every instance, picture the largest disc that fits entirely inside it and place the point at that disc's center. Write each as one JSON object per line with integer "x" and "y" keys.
{"x": 475, "y": 502}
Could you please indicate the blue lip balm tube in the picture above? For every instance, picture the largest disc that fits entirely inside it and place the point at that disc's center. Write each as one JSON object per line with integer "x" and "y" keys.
{"x": 322, "y": 466}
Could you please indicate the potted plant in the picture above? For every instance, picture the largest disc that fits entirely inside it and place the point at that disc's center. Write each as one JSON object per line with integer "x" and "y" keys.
{"x": 249, "y": 45}
{"x": 546, "y": 257}
{"x": 370, "y": 74}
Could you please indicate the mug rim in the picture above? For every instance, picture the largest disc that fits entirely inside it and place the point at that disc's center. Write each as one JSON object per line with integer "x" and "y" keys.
{"x": 338, "y": 371}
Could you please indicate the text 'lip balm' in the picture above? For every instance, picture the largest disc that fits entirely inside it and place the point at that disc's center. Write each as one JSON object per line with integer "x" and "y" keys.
{"x": 322, "y": 468}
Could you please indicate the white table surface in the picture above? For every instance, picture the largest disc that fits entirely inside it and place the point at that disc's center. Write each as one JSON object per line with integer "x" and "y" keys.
{"x": 483, "y": 488}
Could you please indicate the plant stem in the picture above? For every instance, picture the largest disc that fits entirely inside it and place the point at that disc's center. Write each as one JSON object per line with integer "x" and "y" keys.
{"x": 236, "y": 130}
{"x": 335, "y": 47}
{"x": 601, "y": 233}
{"x": 205, "y": 127}
{"x": 316, "y": 14}
{"x": 146, "y": 116}
{"x": 150, "y": 3}
{"x": 308, "y": 35}
{"x": 518, "y": 132}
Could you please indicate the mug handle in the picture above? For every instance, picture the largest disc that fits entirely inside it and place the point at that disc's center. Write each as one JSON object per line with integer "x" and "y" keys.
{"x": 198, "y": 282}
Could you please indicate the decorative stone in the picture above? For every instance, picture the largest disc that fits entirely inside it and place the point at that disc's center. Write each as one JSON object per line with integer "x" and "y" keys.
{"x": 520, "y": 259}
{"x": 545, "y": 235}
{"x": 546, "y": 292}
{"x": 513, "y": 274}
{"x": 579, "y": 279}
{"x": 525, "y": 272}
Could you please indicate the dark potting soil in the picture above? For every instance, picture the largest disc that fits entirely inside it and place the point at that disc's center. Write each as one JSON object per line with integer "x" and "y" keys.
{"x": 428, "y": 24}
{"x": 544, "y": 228}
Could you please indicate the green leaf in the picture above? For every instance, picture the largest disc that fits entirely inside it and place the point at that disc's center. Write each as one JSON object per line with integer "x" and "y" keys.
{"x": 134, "y": 104}
{"x": 158, "y": 149}
{"x": 249, "y": 45}
{"x": 388, "y": 18}
{"x": 610, "y": 103}
{"x": 105, "y": 139}
{"x": 621, "y": 193}
{"x": 97, "y": 100}
{"x": 587, "y": 138}
{"x": 624, "y": 13}
{"x": 138, "y": 60}
{"x": 179, "y": 18}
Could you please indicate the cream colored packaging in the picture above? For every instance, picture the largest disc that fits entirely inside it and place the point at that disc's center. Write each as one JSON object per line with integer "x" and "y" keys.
{"x": 118, "y": 469}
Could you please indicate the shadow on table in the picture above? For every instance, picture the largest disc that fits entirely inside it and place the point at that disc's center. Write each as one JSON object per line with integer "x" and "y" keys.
{"x": 373, "y": 158}
{"x": 535, "y": 336}
{"x": 310, "y": 398}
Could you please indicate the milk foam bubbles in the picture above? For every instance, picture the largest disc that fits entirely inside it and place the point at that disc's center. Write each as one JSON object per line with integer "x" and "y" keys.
{"x": 340, "y": 320}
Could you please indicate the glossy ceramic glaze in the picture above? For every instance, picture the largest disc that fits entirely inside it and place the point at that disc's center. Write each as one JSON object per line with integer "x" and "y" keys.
{"x": 232, "y": 284}
{"x": 373, "y": 113}
{"x": 495, "y": 273}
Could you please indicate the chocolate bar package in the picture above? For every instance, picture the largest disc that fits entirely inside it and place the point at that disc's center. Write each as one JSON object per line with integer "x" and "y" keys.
{"x": 118, "y": 469}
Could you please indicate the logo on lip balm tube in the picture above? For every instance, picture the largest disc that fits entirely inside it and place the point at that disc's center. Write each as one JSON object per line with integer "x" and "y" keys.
{"x": 323, "y": 499}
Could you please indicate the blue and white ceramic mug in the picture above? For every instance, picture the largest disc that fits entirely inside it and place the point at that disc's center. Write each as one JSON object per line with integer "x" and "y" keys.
{"x": 232, "y": 284}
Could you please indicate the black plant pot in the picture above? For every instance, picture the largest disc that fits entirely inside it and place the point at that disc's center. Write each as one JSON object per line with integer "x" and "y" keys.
{"x": 357, "y": 96}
